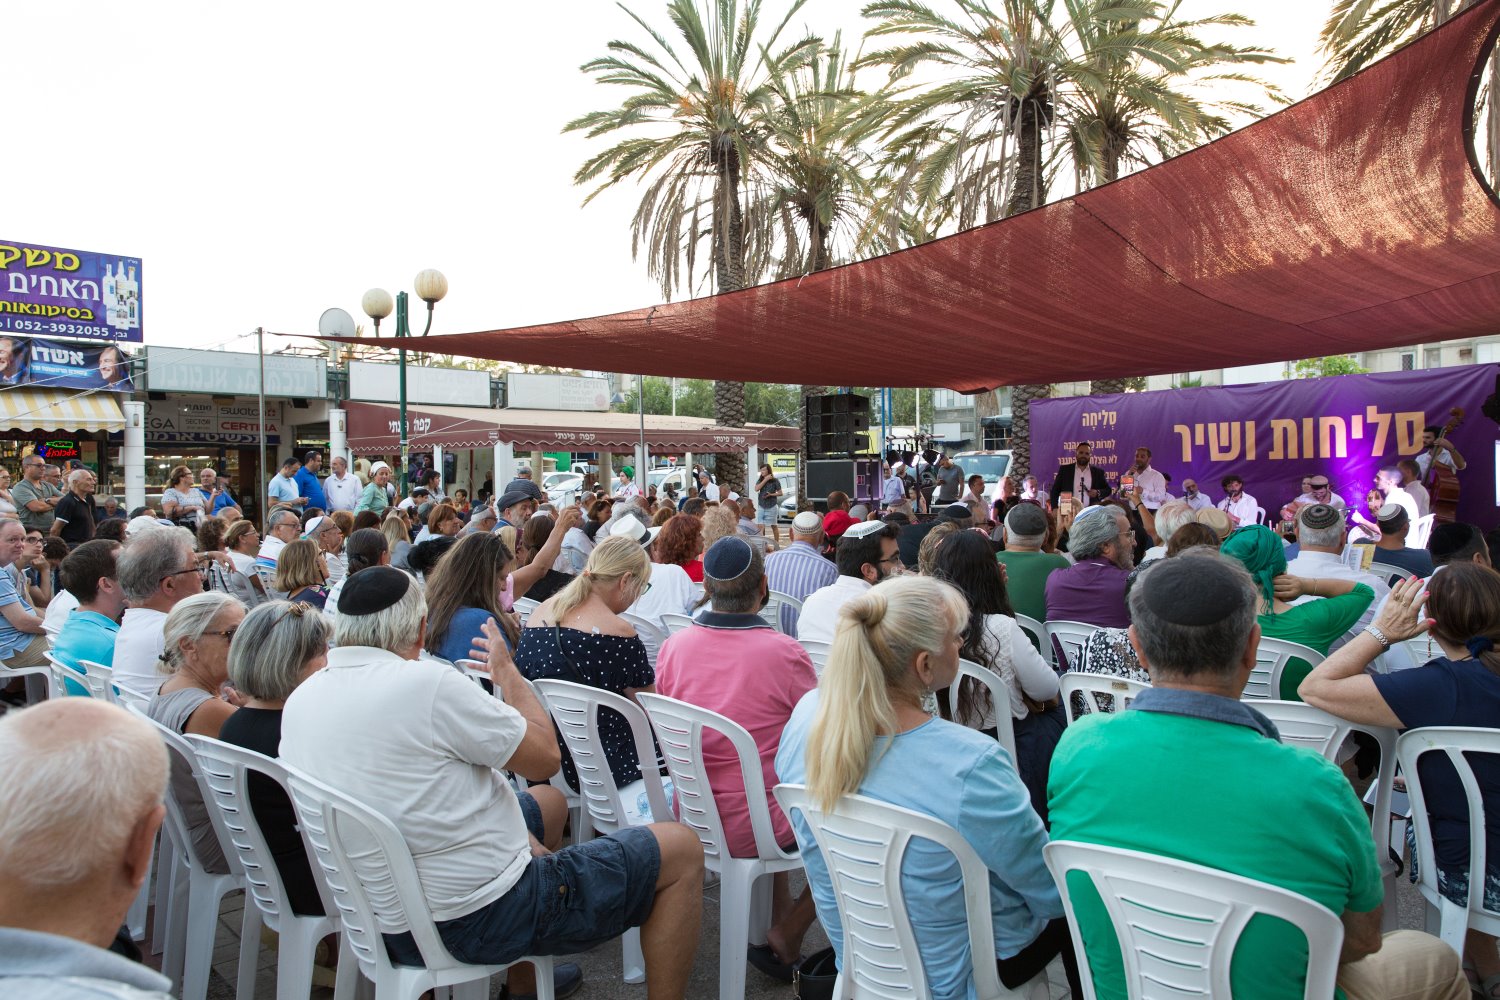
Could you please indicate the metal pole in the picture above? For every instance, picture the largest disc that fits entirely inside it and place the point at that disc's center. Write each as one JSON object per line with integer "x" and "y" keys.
{"x": 645, "y": 459}
{"x": 401, "y": 331}
{"x": 260, "y": 473}
{"x": 674, "y": 395}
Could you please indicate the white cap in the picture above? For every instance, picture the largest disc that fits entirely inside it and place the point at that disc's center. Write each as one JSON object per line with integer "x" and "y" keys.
{"x": 807, "y": 522}
{"x": 864, "y": 528}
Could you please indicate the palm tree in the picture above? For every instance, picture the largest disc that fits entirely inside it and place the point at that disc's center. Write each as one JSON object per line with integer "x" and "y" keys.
{"x": 695, "y": 130}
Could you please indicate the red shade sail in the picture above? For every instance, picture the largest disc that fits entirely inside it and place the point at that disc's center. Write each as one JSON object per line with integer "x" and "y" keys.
{"x": 1355, "y": 220}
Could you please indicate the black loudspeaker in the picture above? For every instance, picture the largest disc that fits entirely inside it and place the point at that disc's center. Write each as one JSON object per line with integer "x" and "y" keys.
{"x": 836, "y": 425}
{"x": 857, "y": 477}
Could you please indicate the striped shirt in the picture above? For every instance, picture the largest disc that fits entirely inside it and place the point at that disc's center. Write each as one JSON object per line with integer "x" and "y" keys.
{"x": 797, "y": 571}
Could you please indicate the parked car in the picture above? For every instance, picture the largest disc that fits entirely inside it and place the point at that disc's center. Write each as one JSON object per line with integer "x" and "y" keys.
{"x": 992, "y": 465}
{"x": 788, "y": 509}
{"x": 660, "y": 477}
{"x": 562, "y": 488}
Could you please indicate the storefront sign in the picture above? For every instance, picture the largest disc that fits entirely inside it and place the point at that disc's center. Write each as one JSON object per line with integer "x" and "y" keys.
{"x": 443, "y": 386}
{"x": 194, "y": 422}
{"x": 1271, "y": 434}
{"x": 223, "y": 373}
{"x": 530, "y": 391}
{"x": 69, "y": 293}
{"x": 59, "y": 450}
{"x": 55, "y": 364}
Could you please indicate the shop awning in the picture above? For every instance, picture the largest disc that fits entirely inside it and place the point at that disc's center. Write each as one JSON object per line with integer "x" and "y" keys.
{"x": 1355, "y": 220}
{"x": 373, "y": 429}
{"x": 24, "y": 409}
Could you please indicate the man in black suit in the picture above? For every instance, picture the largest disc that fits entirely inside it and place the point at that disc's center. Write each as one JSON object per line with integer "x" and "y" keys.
{"x": 1086, "y": 482}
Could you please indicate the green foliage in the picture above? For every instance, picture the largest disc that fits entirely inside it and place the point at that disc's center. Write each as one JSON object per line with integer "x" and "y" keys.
{"x": 1337, "y": 364}
{"x": 764, "y": 403}
{"x": 1359, "y": 32}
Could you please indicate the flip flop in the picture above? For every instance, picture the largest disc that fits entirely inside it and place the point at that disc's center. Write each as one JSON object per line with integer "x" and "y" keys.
{"x": 763, "y": 958}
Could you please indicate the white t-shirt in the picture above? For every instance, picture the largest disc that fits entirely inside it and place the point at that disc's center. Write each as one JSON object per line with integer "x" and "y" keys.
{"x": 422, "y": 745}
{"x": 59, "y": 609}
{"x": 138, "y": 651}
{"x": 711, "y": 491}
{"x": 343, "y": 493}
{"x": 671, "y": 590}
{"x": 820, "y": 612}
{"x": 1243, "y": 508}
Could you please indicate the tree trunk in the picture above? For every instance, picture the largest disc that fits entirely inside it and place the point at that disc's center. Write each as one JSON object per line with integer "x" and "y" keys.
{"x": 1107, "y": 386}
{"x": 1026, "y": 195}
{"x": 729, "y": 266}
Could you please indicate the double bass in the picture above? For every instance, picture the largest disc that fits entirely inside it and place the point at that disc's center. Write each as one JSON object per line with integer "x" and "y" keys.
{"x": 1442, "y": 482}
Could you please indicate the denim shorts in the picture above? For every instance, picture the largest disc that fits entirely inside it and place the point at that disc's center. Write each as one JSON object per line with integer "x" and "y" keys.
{"x": 767, "y": 515}
{"x": 563, "y": 904}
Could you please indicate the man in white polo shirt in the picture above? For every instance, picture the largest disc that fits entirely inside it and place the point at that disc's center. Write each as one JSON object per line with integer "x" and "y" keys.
{"x": 481, "y": 848}
{"x": 342, "y": 487}
{"x": 867, "y": 554}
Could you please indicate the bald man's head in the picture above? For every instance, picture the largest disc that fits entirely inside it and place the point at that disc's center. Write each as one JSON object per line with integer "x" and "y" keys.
{"x": 74, "y": 767}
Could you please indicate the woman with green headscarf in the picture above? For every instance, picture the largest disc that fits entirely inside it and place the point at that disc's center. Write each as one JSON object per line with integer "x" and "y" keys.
{"x": 1315, "y": 624}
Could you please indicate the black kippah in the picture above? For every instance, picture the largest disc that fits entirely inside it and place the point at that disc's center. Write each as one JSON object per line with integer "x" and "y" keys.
{"x": 372, "y": 590}
{"x": 1192, "y": 590}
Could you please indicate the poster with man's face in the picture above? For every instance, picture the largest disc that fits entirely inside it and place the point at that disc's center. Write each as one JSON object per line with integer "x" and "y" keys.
{"x": 34, "y": 361}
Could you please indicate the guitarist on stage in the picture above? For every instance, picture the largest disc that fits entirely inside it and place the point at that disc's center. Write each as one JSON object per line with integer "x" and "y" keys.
{"x": 1434, "y": 443}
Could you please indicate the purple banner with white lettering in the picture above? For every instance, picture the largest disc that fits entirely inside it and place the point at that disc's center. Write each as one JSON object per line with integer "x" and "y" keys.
{"x": 50, "y": 292}
{"x": 1274, "y": 433}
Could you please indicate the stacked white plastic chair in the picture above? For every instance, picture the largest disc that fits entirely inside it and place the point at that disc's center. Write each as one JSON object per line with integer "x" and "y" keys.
{"x": 1449, "y": 920}
{"x": 1177, "y": 923}
{"x": 226, "y": 770}
{"x": 863, "y": 842}
{"x": 745, "y": 900}
{"x": 575, "y": 709}
{"x": 372, "y": 878}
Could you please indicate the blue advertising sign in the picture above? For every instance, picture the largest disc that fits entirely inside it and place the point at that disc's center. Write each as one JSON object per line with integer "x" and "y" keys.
{"x": 69, "y": 293}
{"x": 58, "y": 365}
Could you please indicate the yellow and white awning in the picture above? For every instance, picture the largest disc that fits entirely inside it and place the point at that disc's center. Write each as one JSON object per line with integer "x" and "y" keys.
{"x": 26, "y": 409}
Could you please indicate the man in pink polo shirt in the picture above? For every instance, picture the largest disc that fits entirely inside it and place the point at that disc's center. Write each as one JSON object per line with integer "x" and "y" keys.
{"x": 731, "y": 662}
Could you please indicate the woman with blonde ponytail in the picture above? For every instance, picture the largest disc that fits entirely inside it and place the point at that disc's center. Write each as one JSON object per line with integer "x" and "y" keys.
{"x": 578, "y": 635}
{"x": 865, "y": 731}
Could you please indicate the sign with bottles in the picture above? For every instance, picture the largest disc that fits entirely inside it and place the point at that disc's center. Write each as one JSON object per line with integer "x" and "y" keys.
{"x": 50, "y": 292}
{"x": 56, "y": 364}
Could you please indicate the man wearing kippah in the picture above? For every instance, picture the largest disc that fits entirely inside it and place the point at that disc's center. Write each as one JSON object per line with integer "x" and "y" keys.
{"x": 731, "y": 662}
{"x": 1321, "y": 537}
{"x": 1190, "y": 772}
{"x": 1391, "y": 547}
{"x": 867, "y": 554}
{"x": 799, "y": 569}
{"x": 418, "y": 743}
{"x": 1026, "y": 565}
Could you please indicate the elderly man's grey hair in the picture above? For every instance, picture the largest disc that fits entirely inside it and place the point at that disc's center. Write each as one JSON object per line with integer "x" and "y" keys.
{"x": 74, "y": 765}
{"x": 395, "y": 629}
{"x": 79, "y": 475}
{"x": 1214, "y": 648}
{"x": 1095, "y": 528}
{"x": 1331, "y": 537}
{"x": 1172, "y": 515}
{"x": 151, "y": 557}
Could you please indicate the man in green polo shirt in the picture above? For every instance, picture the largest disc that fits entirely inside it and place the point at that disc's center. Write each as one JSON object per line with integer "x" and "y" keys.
{"x": 1189, "y": 771}
{"x": 1026, "y": 565}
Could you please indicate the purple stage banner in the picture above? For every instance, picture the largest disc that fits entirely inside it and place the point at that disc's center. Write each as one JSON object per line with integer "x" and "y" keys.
{"x": 1274, "y": 433}
{"x": 49, "y": 292}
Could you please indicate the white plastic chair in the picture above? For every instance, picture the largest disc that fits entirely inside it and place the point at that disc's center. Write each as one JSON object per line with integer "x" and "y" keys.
{"x": 1260, "y": 515}
{"x": 524, "y": 606}
{"x": 863, "y": 842}
{"x": 1092, "y": 690}
{"x": 1420, "y": 529}
{"x": 372, "y": 878}
{"x": 1066, "y": 640}
{"x": 575, "y": 709}
{"x": 744, "y": 912}
{"x": 1301, "y": 724}
{"x": 196, "y": 893}
{"x": 1038, "y": 634}
{"x": 1452, "y": 920}
{"x": 1005, "y": 730}
{"x": 1271, "y": 657}
{"x": 817, "y": 651}
{"x": 47, "y": 672}
{"x": 100, "y": 680}
{"x": 1391, "y": 574}
{"x": 226, "y": 770}
{"x": 651, "y": 634}
{"x": 775, "y": 602}
{"x": 1177, "y": 923}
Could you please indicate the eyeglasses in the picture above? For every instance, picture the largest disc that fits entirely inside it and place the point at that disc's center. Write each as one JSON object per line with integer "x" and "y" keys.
{"x": 179, "y": 572}
{"x": 1319, "y": 486}
{"x": 888, "y": 559}
{"x": 226, "y": 633}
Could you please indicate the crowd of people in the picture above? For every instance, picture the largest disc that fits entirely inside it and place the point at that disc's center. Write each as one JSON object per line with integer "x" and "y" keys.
{"x": 338, "y": 642}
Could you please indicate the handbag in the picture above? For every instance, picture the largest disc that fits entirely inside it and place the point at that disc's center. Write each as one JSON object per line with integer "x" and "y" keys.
{"x": 815, "y": 976}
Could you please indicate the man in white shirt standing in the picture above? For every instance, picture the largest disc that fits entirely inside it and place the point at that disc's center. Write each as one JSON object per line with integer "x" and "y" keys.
{"x": 156, "y": 570}
{"x": 1239, "y": 505}
{"x": 1150, "y": 485}
{"x": 481, "y": 848}
{"x": 342, "y": 487}
{"x": 707, "y": 488}
{"x": 867, "y": 554}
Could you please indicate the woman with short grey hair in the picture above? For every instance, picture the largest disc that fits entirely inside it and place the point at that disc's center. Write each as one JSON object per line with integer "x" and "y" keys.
{"x": 278, "y": 645}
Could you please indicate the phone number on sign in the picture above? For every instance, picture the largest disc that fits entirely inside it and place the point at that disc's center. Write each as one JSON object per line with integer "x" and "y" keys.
{"x": 59, "y": 329}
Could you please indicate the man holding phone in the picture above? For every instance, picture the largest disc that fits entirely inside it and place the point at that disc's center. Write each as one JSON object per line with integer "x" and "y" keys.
{"x": 1084, "y": 480}
{"x": 1147, "y": 486}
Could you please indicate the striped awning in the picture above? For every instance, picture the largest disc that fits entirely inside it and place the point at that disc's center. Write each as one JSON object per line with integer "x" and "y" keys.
{"x": 25, "y": 409}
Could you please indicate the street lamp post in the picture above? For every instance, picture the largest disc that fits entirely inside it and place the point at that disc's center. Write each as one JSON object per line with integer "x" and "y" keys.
{"x": 431, "y": 286}
{"x": 640, "y": 397}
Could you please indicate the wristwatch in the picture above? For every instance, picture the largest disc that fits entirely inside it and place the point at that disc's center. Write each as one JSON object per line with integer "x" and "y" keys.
{"x": 1378, "y": 636}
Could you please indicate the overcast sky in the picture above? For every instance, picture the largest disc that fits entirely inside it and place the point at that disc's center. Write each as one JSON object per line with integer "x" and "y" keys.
{"x": 268, "y": 161}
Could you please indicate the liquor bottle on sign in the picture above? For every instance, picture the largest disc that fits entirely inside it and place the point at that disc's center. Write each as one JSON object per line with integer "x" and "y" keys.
{"x": 117, "y": 304}
{"x": 132, "y": 302}
{"x": 107, "y": 294}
